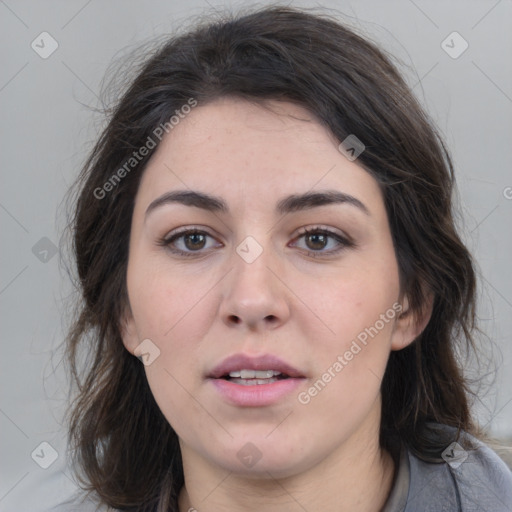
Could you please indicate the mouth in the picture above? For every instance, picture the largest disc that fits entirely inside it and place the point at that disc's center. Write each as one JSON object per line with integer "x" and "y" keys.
{"x": 251, "y": 369}
{"x": 247, "y": 381}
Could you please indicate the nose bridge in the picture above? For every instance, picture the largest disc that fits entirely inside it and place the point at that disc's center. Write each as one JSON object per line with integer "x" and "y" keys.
{"x": 254, "y": 294}
{"x": 253, "y": 260}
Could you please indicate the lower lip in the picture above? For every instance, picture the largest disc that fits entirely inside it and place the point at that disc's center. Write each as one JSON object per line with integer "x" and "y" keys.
{"x": 258, "y": 395}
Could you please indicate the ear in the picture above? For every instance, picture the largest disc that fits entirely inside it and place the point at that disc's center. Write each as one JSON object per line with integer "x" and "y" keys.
{"x": 410, "y": 324}
{"x": 128, "y": 331}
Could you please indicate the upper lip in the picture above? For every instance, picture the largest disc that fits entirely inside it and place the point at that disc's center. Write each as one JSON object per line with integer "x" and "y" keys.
{"x": 246, "y": 362}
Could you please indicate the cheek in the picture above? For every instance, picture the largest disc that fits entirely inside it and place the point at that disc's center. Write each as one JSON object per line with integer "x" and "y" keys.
{"x": 172, "y": 377}
{"x": 350, "y": 365}
{"x": 356, "y": 297}
{"x": 168, "y": 310}
{"x": 357, "y": 306}
{"x": 162, "y": 298}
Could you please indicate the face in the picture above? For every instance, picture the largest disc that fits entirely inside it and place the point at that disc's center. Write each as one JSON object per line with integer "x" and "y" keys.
{"x": 249, "y": 289}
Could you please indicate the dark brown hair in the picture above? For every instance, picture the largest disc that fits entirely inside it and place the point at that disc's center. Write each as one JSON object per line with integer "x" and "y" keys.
{"x": 127, "y": 451}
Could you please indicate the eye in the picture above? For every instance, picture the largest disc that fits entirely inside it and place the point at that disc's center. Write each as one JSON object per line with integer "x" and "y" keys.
{"x": 192, "y": 242}
{"x": 319, "y": 239}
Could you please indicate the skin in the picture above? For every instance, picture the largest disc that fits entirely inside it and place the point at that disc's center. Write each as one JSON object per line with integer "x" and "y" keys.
{"x": 307, "y": 310}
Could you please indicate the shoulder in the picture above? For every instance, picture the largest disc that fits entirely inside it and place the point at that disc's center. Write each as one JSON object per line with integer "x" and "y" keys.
{"x": 470, "y": 478}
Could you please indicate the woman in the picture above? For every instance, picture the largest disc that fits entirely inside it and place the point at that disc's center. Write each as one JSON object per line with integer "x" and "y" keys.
{"x": 273, "y": 288}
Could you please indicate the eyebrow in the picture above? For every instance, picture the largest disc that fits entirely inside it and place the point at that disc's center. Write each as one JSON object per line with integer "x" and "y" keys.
{"x": 289, "y": 204}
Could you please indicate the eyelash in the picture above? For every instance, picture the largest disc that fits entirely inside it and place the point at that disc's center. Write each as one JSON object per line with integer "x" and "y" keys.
{"x": 344, "y": 242}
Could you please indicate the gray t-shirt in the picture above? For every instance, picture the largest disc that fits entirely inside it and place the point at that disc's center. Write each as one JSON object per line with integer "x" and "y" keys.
{"x": 468, "y": 480}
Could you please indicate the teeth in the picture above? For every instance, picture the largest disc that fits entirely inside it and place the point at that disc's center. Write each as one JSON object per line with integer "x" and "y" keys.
{"x": 253, "y": 382}
{"x": 254, "y": 374}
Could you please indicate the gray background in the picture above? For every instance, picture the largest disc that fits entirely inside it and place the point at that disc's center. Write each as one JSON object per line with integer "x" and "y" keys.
{"x": 47, "y": 128}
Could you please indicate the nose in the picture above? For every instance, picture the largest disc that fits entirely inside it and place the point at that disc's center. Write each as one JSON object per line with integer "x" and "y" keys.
{"x": 255, "y": 296}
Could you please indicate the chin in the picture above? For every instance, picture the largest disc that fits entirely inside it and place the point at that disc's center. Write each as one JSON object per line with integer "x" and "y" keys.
{"x": 261, "y": 457}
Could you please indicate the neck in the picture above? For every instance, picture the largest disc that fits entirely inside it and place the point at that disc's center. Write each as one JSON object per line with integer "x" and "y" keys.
{"x": 357, "y": 475}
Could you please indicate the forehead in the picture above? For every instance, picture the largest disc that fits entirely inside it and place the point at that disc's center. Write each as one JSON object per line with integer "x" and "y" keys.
{"x": 246, "y": 151}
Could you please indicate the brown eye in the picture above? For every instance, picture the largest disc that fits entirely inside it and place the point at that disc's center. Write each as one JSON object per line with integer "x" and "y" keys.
{"x": 190, "y": 242}
{"x": 318, "y": 239}
{"x": 197, "y": 241}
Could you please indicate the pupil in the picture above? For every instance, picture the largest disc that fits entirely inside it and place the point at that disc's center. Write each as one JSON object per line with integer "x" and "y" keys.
{"x": 195, "y": 237}
{"x": 322, "y": 244}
